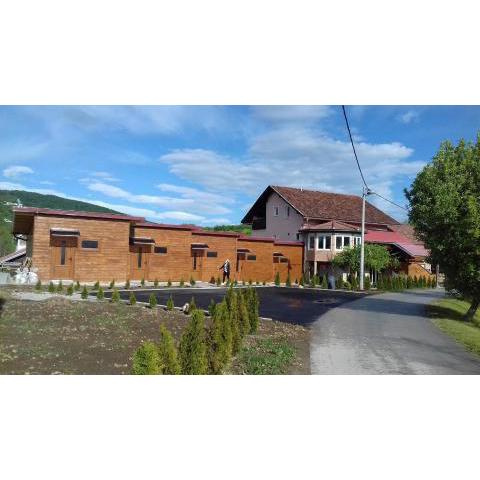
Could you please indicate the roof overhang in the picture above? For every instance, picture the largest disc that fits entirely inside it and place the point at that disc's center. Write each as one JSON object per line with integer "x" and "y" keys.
{"x": 64, "y": 232}
{"x": 243, "y": 250}
{"x": 199, "y": 246}
{"x": 141, "y": 241}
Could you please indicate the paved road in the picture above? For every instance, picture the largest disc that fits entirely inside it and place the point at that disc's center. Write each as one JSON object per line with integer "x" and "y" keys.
{"x": 291, "y": 305}
{"x": 386, "y": 334}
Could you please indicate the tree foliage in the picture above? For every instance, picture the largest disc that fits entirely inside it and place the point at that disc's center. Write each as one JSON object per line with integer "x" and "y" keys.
{"x": 377, "y": 257}
{"x": 445, "y": 211}
{"x": 167, "y": 353}
{"x": 193, "y": 346}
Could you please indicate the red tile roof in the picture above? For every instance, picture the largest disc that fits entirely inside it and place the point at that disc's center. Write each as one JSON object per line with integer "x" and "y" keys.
{"x": 74, "y": 213}
{"x": 395, "y": 238}
{"x": 335, "y": 206}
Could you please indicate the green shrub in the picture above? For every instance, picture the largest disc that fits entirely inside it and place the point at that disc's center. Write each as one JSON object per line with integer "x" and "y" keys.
{"x": 169, "y": 283}
{"x": 112, "y": 284}
{"x": 324, "y": 283}
{"x": 192, "y": 281}
{"x": 264, "y": 283}
{"x": 235, "y": 283}
{"x": 219, "y": 339}
{"x": 251, "y": 298}
{"x": 127, "y": 284}
{"x": 232, "y": 303}
{"x": 339, "y": 282}
{"x": 96, "y": 286}
{"x": 192, "y": 306}
{"x": 146, "y": 360}
{"x": 100, "y": 294}
{"x": 219, "y": 282}
{"x": 354, "y": 283}
{"x": 115, "y": 296}
{"x": 277, "y": 279}
{"x": 227, "y": 283}
{"x": 347, "y": 285}
{"x": 288, "y": 281}
{"x": 170, "y": 304}
{"x": 38, "y": 286}
{"x": 167, "y": 352}
{"x": 367, "y": 283}
{"x": 250, "y": 282}
{"x": 302, "y": 280}
{"x": 409, "y": 282}
{"x": 244, "y": 317}
{"x": 415, "y": 281}
{"x": 84, "y": 292}
{"x": 193, "y": 346}
{"x": 70, "y": 290}
{"x": 212, "y": 280}
{"x": 155, "y": 282}
{"x": 77, "y": 286}
{"x": 132, "y": 299}
{"x": 211, "y": 307}
{"x": 60, "y": 287}
{"x": 152, "y": 300}
{"x": 142, "y": 282}
{"x": 182, "y": 283}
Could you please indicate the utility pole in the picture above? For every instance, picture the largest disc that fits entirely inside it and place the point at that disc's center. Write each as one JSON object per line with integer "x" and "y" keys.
{"x": 366, "y": 191}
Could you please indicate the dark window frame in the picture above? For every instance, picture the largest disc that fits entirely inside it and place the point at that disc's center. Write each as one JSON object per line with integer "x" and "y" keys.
{"x": 63, "y": 252}
{"x": 252, "y": 258}
{"x": 156, "y": 249}
{"x": 212, "y": 254}
{"x": 83, "y": 242}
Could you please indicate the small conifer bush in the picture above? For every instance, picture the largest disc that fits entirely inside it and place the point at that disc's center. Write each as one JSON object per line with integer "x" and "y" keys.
{"x": 169, "y": 283}
{"x": 288, "y": 281}
{"x": 127, "y": 284}
{"x": 367, "y": 283}
{"x": 146, "y": 360}
{"x": 235, "y": 283}
{"x": 244, "y": 317}
{"x": 250, "y": 282}
{"x": 219, "y": 339}
{"x": 277, "y": 279}
{"x": 324, "y": 283}
{"x": 132, "y": 299}
{"x": 96, "y": 286}
{"x": 84, "y": 293}
{"x": 212, "y": 280}
{"x": 182, "y": 283}
{"x": 60, "y": 287}
{"x": 193, "y": 346}
{"x": 211, "y": 307}
{"x": 142, "y": 282}
{"x": 167, "y": 353}
{"x": 112, "y": 284}
{"x": 115, "y": 296}
{"x": 170, "y": 304}
{"x": 70, "y": 290}
{"x": 152, "y": 301}
{"x": 155, "y": 282}
{"x": 264, "y": 283}
{"x": 38, "y": 286}
{"x": 77, "y": 286}
{"x": 192, "y": 305}
{"x": 192, "y": 281}
{"x": 100, "y": 294}
{"x": 302, "y": 280}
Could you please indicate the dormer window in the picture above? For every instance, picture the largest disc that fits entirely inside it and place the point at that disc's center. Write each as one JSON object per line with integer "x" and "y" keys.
{"x": 275, "y": 211}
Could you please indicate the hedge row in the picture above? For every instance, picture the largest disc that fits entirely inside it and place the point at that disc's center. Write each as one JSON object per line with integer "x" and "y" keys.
{"x": 202, "y": 350}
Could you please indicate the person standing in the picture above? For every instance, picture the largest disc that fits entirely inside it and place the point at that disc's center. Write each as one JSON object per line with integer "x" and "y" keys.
{"x": 226, "y": 270}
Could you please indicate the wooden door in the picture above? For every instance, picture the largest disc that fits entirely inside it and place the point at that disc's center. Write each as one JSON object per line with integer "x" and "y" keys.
{"x": 63, "y": 257}
{"x": 139, "y": 258}
{"x": 197, "y": 264}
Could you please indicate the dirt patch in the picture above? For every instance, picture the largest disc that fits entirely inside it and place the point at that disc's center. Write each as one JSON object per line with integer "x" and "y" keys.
{"x": 74, "y": 337}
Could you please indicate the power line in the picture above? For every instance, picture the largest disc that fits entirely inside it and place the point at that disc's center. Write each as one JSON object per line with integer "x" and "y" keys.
{"x": 387, "y": 200}
{"x": 353, "y": 147}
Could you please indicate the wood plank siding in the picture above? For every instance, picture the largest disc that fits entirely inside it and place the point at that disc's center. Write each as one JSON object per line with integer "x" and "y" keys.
{"x": 88, "y": 249}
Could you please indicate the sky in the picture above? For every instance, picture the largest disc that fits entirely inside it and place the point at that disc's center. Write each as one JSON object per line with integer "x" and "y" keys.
{"x": 207, "y": 164}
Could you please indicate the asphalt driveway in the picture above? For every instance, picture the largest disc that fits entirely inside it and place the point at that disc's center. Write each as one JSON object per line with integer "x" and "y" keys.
{"x": 386, "y": 334}
{"x": 291, "y": 305}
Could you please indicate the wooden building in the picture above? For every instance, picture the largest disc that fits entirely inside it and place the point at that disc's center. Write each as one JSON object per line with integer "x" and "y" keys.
{"x": 86, "y": 246}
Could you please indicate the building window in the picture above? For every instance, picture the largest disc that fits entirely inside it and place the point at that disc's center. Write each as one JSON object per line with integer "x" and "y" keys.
{"x": 346, "y": 242}
{"x": 311, "y": 242}
{"x": 93, "y": 244}
{"x": 160, "y": 249}
{"x": 338, "y": 242}
{"x": 275, "y": 211}
{"x": 324, "y": 242}
{"x": 212, "y": 254}
{"x": 251, "y": 257}
{"x": 298, "y": 236}
{"x": 139, "y": 259}
{"x": 287, "y": 211}
{"x": 63, "y": 252}
{"x": 283, "y": 260}
{"x": 195, "y": 260}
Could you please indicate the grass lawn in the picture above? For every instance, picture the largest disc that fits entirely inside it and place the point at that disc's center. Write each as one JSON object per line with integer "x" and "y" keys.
{"x": 447, "y": 316}
{"x": 59, "y": 335}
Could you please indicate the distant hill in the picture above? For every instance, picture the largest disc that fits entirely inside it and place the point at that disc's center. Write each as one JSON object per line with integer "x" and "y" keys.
{"x": 243, "y": 229}
{"x": 30, "y": 199}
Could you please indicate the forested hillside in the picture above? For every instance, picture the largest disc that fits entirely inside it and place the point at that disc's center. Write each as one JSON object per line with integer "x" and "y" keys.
{"x": 30, "y": 199}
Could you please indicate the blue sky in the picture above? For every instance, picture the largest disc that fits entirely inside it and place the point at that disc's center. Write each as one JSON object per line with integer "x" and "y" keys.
{"x": 207, "y": 164}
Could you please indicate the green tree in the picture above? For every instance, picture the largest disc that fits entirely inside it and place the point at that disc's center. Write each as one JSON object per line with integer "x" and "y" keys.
{"x": 232, "y": 303}
{"x": 252, "y": 307}
{"x": 132, "y": 299}
{"x": 377, "y": 257}
{"x": 170, "y": 304}
{"x": 127, "y": 284}
{"x": 409, "y": 282}
{"x": 182, "y": 282}
{"x": 277, "y": 279}
{"x": 70, "y": 290}
{"x": 152, "y": 300}
{"x": 115, "y": 296}
{"x": 445, "y": 212}
{"x": 169, "y": 283}
{"x": 368, "y": 283}
{"x": 211, "y": 307}
{"x": 219, "y": 339}
{"x": 192, "y": 281}
{"x": 323, "y": 283}
{"x": 142, "y": 282}
{"x": 38, "y": 286}
{"x": 192, "y": 306}
{"x": 60, "y": 287}
{"x": 84, "y": 293}
{"x": 288, "y": 281}
{"x": 77, "y": 286}
{"x": 193, "y": 346}
{"x": 96, "y": 286}
{"x": 112, "y": 284}
{"x": 243, "y": 316}
{"x": 155, "y": 282}
{"x": 146, "y": 360}
{"x": 100, "y": 294}
{"x": 167, "y": 352}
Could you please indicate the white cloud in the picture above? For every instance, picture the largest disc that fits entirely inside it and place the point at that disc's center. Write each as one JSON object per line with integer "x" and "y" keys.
{"x": 21, "y": 149}
{"x": 291, "y": 113}
{"x": 105, "y": 176}
{"x": 16, "y": 171}
{"x": 408, "y": 117}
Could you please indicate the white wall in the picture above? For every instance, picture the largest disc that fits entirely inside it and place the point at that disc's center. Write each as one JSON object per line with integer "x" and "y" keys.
{"x": 281, "y": 226}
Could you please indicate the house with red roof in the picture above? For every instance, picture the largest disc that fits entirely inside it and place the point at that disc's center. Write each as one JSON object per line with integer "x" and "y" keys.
{"x": 329, "y": 222}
